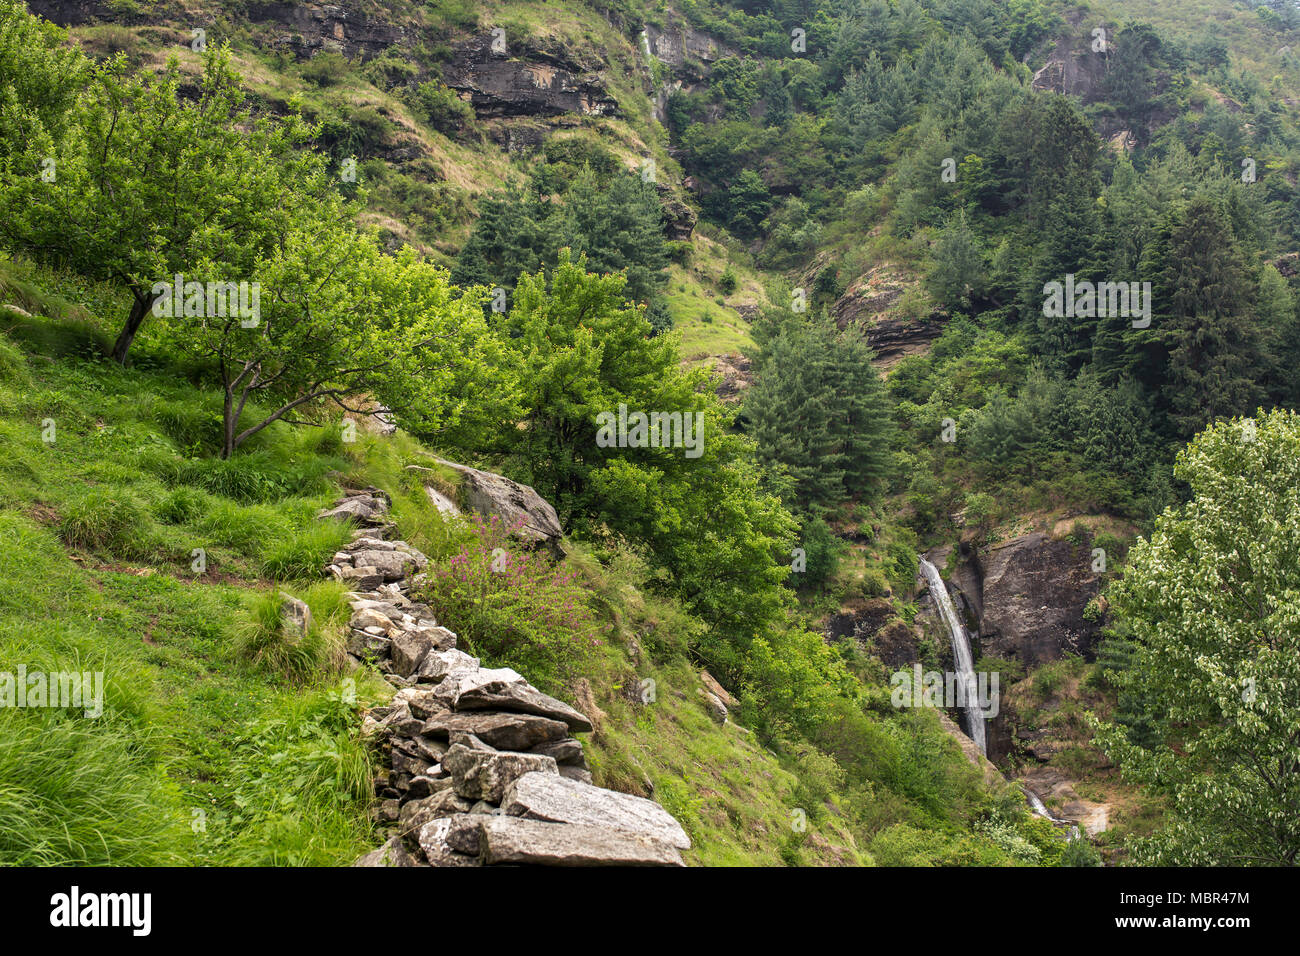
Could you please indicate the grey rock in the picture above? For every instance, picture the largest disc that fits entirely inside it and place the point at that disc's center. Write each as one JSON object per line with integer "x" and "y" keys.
{"x": 295, "y": 615}
{"x": 550, "y": 797}
{"x": 416, "y": 813}
{"x": 421, "y": 701}
{"x": 571, "y": 772}
{"x": 566, "y": 751}
{"x": 483, "y": 775}
{"x": 516, "y": 840}
{"x": 393, "y": 565}
{"x": 407, "y": 651}
{"x": 518, "y": 506}
{"x": 437, "y": 665}
{"x": 504, "y": 689}
{"x": 362, "y": 645}
{"x": 426, "y": 786}
{"x": 367, "y": 617}
{"x": 504, "y": 731}
{"x": 392, "y": 853}
{"x": 363, "y": 578}
{"x": 436, "y": 839}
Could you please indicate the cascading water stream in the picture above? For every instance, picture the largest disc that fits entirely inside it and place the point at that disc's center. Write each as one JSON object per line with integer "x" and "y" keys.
{"x": 960, "y": 652}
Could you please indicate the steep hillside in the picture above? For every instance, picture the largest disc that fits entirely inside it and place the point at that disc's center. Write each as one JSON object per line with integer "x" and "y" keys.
{"x": 826, "y": 231}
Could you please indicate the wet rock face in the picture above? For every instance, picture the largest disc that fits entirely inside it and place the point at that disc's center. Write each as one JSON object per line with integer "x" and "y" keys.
{"x": 1035, "y": 591}
{"x": 525, "y": 82}
{"x": 1024, "y": 598}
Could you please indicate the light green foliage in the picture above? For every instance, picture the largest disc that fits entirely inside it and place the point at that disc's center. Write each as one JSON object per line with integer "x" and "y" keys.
{"x": 1213, "y": 600}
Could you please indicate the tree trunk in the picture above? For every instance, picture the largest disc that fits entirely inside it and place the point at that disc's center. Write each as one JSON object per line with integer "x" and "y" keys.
{"x": 228, "y": 426}
{"x": 139, "y": 309}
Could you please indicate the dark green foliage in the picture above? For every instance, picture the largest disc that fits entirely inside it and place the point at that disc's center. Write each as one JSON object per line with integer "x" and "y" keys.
{"x": 818, "y": 411}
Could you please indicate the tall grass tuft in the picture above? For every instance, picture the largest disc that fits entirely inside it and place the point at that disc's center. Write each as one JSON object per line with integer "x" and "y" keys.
{"x": 111, "y": 521}
{"x": 76, "y": 792}
{"x": 304, "y": 552}
{"x": 261, "y": 638}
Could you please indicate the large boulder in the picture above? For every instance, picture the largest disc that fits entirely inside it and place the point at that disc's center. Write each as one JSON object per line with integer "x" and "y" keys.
{"x": 519, "y": 507}
{"x": 368, "y": 507}
{"x": 556, "y": 799}
{"x": 520, "y": 841}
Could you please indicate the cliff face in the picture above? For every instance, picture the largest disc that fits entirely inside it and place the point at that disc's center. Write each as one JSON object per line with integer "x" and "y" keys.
{"x": 871, "y": 302}
{"x": 533, "y": 83}
{"x": 1025, "y": 597}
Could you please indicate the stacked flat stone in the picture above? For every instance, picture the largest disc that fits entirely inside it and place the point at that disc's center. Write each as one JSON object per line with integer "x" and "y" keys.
{"x": 484, "y": 767}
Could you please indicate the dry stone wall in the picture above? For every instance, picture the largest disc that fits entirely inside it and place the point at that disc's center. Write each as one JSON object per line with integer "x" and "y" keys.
{"x": 483, "y": 768}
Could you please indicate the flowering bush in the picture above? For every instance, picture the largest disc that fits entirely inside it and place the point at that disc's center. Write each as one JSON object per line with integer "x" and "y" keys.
{"x": 513, "y": 607}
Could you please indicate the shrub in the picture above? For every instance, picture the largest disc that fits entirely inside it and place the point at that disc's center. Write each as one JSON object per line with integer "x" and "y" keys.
{"x": 327, "y": 68}
{"x": 445, "y": 111}
{"x": 1079, "y": 852}
{"x": 903, "y": 845}
{"x": 511, "y": 606}
{"x": 728, "y": 282}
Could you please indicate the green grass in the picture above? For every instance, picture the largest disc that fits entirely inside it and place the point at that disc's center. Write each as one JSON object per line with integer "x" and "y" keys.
{"x": 207, "y": 751}
{"x": 226, "y": 739}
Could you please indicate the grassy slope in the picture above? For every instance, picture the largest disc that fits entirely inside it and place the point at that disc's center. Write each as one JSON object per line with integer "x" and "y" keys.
{"x": 204, "y": 753}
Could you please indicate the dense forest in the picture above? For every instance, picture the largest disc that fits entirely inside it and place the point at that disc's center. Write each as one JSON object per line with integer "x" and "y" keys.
{"x": 1010, "y": 288}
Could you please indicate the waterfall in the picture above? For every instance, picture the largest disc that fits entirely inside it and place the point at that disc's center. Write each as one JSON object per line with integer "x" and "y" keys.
{"x": 1036, "y": 804}
{"x": 960, "y": 652}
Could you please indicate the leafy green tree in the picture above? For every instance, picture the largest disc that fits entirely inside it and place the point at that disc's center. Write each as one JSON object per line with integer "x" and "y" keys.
{"x": 339, "y": 321}
{"x": 580, "y": 350}
{"x": 1213, "y": 601}
{"x": 748, "y": 200}
{"x": 40, "y": 78}
{"x": 148, "y": 183}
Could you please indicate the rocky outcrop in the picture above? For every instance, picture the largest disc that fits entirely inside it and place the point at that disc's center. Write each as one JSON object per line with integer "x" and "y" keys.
{"x": 530, "y": 516}
{"x": 735, "y": 374}
{"x": 308, "y": 27}
{"x": 679, "y": 218}
{"x": 484, "y": 768}
{"x": 870, "y": 302}
{"x": 1072, "y": 68}
{"x": 678, "y": 45}
{"x": 1024, "y": 598}
{"x": 526, "y": 81}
